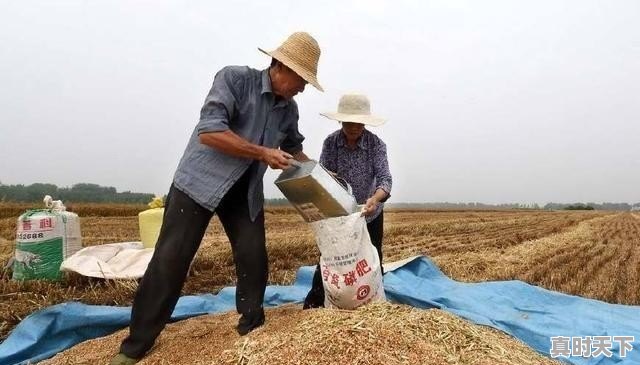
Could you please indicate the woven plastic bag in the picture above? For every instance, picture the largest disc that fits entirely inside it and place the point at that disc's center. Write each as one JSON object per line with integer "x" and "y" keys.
{"x": 349, "y": 264}
{"x": 44, "y": 238}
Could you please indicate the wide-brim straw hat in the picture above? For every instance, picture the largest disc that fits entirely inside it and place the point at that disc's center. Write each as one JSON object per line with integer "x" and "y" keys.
{"x": 300, "y": 52}
{"x": 355, "y": 108}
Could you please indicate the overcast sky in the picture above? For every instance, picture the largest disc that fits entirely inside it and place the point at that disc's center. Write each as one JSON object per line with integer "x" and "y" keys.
{"x": 490, "y": 101}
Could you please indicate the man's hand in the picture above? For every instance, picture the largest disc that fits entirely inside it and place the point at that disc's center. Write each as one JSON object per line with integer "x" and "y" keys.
{"x": 370, "y": 206}
{"x": 275, "y": 158}
{"x": 301, "y": 156}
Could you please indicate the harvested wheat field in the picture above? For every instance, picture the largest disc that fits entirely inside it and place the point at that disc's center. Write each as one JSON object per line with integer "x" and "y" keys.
{"x": 375, "y": 334}
{"x": 586, "y": 253}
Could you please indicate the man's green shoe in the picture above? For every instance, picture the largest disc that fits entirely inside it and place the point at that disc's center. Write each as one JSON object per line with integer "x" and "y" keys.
{"x": 122, "y": 359}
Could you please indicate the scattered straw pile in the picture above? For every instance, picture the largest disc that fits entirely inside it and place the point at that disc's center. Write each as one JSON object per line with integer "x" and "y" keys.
{"x": 376, "y": 334}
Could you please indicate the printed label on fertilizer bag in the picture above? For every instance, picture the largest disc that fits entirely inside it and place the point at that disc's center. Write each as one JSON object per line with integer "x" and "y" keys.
{"x": 349, "y": 280}
{"x": 39, "y": 224}
{"x": 38, "y": 260}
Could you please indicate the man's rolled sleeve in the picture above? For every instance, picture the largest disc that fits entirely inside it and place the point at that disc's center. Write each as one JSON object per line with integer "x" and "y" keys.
{"x": 221, "y": 103}
{"x": 292, "y": 142}
{"x": 381, "y": 167}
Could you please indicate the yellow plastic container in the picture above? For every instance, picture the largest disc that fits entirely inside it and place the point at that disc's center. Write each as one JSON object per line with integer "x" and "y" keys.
{"x": 150, "y": 222}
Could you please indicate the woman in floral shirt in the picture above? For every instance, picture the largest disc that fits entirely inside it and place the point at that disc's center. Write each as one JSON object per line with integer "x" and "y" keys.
{"x": 360, "y": 158}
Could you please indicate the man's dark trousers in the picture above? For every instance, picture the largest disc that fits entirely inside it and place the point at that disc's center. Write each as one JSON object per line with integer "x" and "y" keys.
{"x": 183, "y": 227}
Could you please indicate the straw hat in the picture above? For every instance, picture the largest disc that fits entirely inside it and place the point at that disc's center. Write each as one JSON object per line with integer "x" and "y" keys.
{"x": 355, "y": 108}
{"x": 300, "y": 52}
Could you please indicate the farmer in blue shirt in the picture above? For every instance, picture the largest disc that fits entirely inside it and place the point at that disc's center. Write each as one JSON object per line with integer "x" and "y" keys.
{"x": 359, "y": 157}
{"x": 249, "y": 120}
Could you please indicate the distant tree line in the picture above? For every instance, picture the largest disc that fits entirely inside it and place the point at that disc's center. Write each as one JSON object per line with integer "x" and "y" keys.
{"x": 590, "y": 206}
{"x": 94, "y": 193}
{"x": 579, "y": 206}
{"x": 548, "y": 206}
{"x": 78, "y": 193}
{"x": 463, "y": 206}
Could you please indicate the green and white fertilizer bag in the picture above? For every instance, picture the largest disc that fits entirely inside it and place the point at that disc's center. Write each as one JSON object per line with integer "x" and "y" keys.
{"x": 349, "y": 264}
{"x": 45, "y": 237}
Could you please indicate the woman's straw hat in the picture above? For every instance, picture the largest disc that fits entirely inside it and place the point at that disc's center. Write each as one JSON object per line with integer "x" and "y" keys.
{"x": 300, "y": 52}
{"x": 355, "y": 108}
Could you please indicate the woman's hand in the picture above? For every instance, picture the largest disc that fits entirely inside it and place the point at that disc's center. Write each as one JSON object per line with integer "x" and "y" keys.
{"x": 370, "y": 206}
{"x": 372, "y": 203}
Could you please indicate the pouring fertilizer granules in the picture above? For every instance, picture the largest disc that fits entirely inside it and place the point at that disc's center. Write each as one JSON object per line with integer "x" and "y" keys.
{"x": 349, "y": 264}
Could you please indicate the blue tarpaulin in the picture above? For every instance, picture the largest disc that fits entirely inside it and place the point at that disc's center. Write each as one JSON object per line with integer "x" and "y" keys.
{"x": 529, "y": 313}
